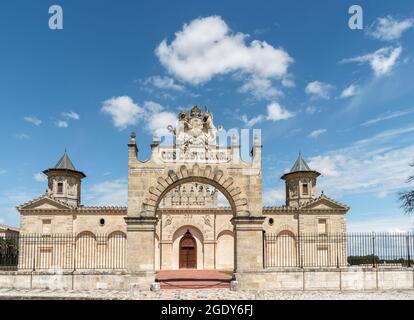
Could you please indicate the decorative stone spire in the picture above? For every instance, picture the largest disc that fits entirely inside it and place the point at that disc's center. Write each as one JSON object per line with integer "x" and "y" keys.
{"x": 132, "y": 147}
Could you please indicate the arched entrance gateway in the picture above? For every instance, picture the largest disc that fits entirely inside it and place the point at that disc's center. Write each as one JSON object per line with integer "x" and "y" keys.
{"x": 194, "y": 158}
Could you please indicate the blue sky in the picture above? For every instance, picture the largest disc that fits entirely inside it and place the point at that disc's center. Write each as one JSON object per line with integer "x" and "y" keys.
{"x": 293, "y": 69}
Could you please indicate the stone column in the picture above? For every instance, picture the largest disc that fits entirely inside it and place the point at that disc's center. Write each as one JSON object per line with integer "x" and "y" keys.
{"x": 166, "y": 255}
{"x": 248, "y": 243}
{"x": 209, "y": 255}
{"x": 141, "y": 250}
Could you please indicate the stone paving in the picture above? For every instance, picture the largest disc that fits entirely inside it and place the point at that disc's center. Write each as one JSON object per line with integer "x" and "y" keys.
{"x": 208, "y": 294}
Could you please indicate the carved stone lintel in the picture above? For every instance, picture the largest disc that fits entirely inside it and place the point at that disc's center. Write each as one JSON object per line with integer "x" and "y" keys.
{"x": 248, "y": 223}
{"x": 141, "y": 223}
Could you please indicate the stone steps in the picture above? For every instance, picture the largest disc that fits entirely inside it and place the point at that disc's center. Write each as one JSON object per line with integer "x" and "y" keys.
{"x": 190, "y": 284}
{"x": 193, "y": 279}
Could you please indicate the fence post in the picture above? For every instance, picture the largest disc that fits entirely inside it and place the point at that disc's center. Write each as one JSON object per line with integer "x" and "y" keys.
{"x": 264, "y": 248}
{"x": 300, "y": 250}
{"x": 373, "y": 250}
{"x": 408, "y": 250}
{"x": 337, "y": 250}
{"x": 74, "y": 251}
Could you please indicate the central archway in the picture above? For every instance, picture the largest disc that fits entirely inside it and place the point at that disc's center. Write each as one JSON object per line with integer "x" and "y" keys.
{"x": 188, "y": 252}
{"x": 226, "y": 185}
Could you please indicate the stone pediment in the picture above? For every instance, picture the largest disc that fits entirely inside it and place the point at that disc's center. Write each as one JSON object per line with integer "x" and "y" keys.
{"x": 45, "y": 202}
{"x": 324, "y": 203}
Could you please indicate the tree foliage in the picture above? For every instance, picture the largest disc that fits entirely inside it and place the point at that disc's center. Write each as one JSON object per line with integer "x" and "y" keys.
{"x": 407, "y": 197}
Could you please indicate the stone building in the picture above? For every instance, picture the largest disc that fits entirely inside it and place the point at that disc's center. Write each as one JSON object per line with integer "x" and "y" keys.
{"x": 173, "y": 219}
{"x": 8, "y": 231}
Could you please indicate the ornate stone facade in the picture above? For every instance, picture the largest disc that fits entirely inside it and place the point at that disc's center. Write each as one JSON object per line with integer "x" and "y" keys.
{"x": 174, "y": 196}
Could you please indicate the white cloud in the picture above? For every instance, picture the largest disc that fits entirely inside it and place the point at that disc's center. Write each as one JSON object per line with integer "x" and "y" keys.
{"x": 319, "y": 89}
{"x": 164, "y": 83}
{"x": 158, "y": 123}
{"x": 206, "y": 47}
{"x": 350, "y": 91}
{"x": 388, "y": 29}
{"x": 126, "y": 112}
{"x": 311, "y": 110}
{"x": 123, "y": 110}
{"x": 33, "y": 120}
{"x": 61, "y": 124}
{"x": 70, "y": 115}
{"x": 261, "y": 88}
{"x": 317, "y": 133}
{"x": 375, "y": 165}
{"x": 22, "y": 136}
{"x": 382, "y": 194}
{"x": 326, "y": 165}
{"x": 273, "y": 197}
{"x": 152, "y": 107}
{"x": 110, "y": 192}
{"x": 388, "y": 116}
{"x": 40, "y": 177}
{"x": 288, "y": 81}
{"x": 276, "y": 112}
{"x": 253, "y": 121}
{"x": 381, "y": 61}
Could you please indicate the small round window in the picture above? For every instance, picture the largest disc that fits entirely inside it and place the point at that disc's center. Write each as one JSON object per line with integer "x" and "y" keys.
{"x": 102, "y": 221}
{"x": 271, "y": 221}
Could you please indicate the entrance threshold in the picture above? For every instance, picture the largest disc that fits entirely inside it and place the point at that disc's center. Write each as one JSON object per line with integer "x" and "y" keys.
{"x": 193, "y": 279}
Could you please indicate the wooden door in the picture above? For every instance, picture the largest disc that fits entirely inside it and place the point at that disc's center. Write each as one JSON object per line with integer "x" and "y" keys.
{"x": 188, "y": 252}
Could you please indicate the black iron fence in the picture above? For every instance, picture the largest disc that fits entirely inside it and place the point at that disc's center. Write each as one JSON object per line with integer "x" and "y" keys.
{"x": 63, "y": 251}
{"x": 108, "y": 252}
{"x": 338, "y": 250}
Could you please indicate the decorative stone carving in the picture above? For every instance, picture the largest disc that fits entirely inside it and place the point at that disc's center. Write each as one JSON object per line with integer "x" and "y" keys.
{"x": 168, "y": 221}
{"x": 207, "y": 220}
{"x": 195, "y": 129}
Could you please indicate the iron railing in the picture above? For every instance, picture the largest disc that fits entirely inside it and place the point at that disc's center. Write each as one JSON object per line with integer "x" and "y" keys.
{"x": 338, "y": 250}
{"x": 108, "y": 252}
{"x": 63, "y": 251}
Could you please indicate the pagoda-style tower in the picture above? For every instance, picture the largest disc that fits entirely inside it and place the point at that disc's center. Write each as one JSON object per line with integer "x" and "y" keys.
{"x": 64, "y": 181}
{"x": 300, "y": 183}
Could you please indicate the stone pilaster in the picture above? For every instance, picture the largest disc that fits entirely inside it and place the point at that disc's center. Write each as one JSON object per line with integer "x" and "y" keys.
{"x": 141, "y": 249}
{"x": 249, "y": 243}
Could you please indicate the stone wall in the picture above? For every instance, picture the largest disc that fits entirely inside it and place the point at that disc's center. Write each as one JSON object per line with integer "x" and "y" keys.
{"x": 353, "y": 278}
{"x": 73, "y": 280}
{"x": 346, "y": 279}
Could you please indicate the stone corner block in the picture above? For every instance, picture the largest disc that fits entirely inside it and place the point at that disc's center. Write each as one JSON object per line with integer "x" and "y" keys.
{"x": 155, "y": 287}
{"x": 234, "y": 285}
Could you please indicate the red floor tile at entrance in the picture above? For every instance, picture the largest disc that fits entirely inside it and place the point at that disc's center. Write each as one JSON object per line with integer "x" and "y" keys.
{"x": 193, "y": 279}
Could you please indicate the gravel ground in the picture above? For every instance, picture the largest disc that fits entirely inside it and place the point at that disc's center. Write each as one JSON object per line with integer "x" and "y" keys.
{"x": 208, "y": 294}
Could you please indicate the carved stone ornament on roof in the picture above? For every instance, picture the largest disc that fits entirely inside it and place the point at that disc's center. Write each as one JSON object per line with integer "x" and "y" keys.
{"x": 195, "y": 129}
